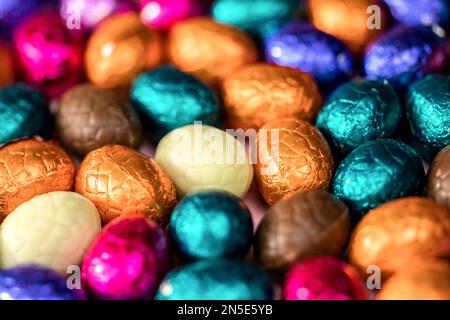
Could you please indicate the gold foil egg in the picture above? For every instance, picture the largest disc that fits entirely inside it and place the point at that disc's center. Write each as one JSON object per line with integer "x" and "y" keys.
{"x": 259, "y": 93}
{"x": 208, "y": 49}
{"x": 398, "y": 233}
{"x": 292, "y": 155}
{"x": 29, "y": 168}
{"x": 122, "y": 181}
{"x": 6, "y": 67}
{"x": 119, "y": 49}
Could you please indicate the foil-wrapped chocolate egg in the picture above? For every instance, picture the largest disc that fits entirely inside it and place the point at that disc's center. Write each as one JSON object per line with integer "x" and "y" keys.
{"x": 49, "y": 54}
{"x": 120, "y": 49}
{"x": 6, "y": 66}
{"x": 127, "y": 260}
{"x": 88, "y": 118}
{"x": 397, "y": 233}
{"x": 259, "y": 93}
{"x": 216, "y": 279}
{"x": 167, "y": 98}
{"x": 438, "y": 183}
{"x": 208, "y": 49}
{"x": 359, "y": 112}
{"x": 323, "y": 278}
{"x": 121, "y": 181}
{"x": 163, "y": 14}
{"x": 421, "y": 12}
{"x": 377, "y": 172}
{"x": 292, "y": 155}
{"x": 23, "y": 113}
{"x": 53, "y": 229}
{"x": 300, "y": 45}
{"x": 29, "y": 168}
{"x": 304, "y": 224}
{"x": 199, "y": 157}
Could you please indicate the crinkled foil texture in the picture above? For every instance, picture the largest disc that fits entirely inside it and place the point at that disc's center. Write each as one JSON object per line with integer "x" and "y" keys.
{"x": 438, "y": 184}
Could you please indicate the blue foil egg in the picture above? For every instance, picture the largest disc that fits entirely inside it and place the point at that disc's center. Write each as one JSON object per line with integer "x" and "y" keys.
{"x": 218, "y": 279}
{"x": 167, "y": 98}
{"x": 377, "y": 172}
{"x": 359, "y": 112}
{"x": 32, "y": 282}
{"x": 23, "y": 113}
{"x": 405, "y": 54}
{"x": 428, "y": 112}
{"x": 300, "y": 45}
{"x": 211, "y": 224}
{"x": 420, "y": 12}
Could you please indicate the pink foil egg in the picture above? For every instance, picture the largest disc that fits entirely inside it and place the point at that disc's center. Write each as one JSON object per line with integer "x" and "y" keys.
{"x": 48, "y": 53}
{"x": 127, "y": 260}
{"x": 162, "y": 14}
{"x": 323, "y": 278}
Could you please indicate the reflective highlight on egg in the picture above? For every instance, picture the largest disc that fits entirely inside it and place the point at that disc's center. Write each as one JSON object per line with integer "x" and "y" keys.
{"x": 423, "y": 12}
{"x": 163, "y": 14}
{"x": 438, "y": 183}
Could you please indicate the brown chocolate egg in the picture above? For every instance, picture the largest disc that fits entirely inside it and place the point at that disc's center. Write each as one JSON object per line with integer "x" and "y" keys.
{"x": 122, "y": 181}
{"x": 438, "y": 183}
{"x": 292, "y": 155}
{"x": 29, "y": 168}
{"x": 89, "y": 118}
{"x": 425, "y": 280}
{"x": 399, "y": 232}
{"x": 119, "y": 49}
{"x": 259, "y": 93}
{"x": 6, "y": 67}
{"x": 305, "y": 224}
{"x": 208, "y": 49}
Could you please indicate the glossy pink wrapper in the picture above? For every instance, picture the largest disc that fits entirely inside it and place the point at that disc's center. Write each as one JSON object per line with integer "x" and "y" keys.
{"x": 162, "y": 14}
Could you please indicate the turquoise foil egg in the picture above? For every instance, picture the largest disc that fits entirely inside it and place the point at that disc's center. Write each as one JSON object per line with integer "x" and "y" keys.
{"x": 377, "y": 172}
{"x": 428, "y": 112}
{"x": 23, "y": 113}
{"x": 357, "y": 113}
{"x": 167, "y": 98}
{"x": 217, "y": 279}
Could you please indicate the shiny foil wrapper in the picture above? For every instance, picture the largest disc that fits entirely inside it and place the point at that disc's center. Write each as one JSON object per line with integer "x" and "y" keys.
{"x": 88, "y": 118}
{"x": 163, "y": 14}
{"x": 304, "y": 224}
{"x": 421, "y": 12}
{"x": 292, "y": 94}
{"x": 119, "y": 49}
{"x": 29, "y": 168}
{"x": 126, "y": 261}
{"x": 393, "y": 236}
{"x": 292, "y": 156}
{"x": 121, "y": 181}
{"x": 209, "y": 50}
{"x": 6, "y": 66}
{"x": 438, "y": 183}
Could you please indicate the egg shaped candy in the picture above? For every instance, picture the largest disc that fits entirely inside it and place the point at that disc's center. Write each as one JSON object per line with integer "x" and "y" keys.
{"x": 199, "y": 157}
{"x": 53, "y": 229}
{"x": 120, "y": 49}
{"x": 260, "y": 93}
{"x": 377, "y": 172}
{"x": 438, "y": 179}
{"x": 218, "y": 279}
{"x": 23, "y": 113}
{"x": 127, "y": 260}
{"x": 89, "y": 118}
{"x": 122, "y": 181}
{"x": 6, "y": 66}
{"x": 423, "y": 12}
{"x": 168, "y": 99}
{"x": 396, "y": 234}
{"x": 163, "y": 14}
{"x": 29, "y": 168}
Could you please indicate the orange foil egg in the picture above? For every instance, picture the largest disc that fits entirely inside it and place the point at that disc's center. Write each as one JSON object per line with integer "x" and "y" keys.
{"x": 6, "y": 67}
{"x": 260, "y": 93}
{"x": 208, "y": 49}
{"x": 122, "y": 181}
{"x": 29, "y": 168}
{"x": 292, "y": 155}
{"x": 399, "y": 232}
{"x": 348, "y": 20}
{"x": 119, "y": 49}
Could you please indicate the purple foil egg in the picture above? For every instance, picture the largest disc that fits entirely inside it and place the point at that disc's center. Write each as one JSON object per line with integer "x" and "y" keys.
{"x": 420, "y": 12}
{"x": 127, "y": 260}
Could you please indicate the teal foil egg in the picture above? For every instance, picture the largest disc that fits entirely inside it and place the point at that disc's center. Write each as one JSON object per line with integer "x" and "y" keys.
{"x": 357, "y": 113}
{"x": 218, "y": 279}
{"x": 259, "y": 17}
{"x": 428, "y": 112}
{"x": 211, "y": 224}
{"x": 167, "y": 98}
{"x": 23, "y": 113}
{"x": 377, "y": 172}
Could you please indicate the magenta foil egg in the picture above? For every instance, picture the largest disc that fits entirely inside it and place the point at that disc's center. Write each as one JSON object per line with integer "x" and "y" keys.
{"x": 127, "y": 260}
{"x": 49, "y": 54}
{"x": 162, "y": 14}
{"x": 323, "y": 278}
